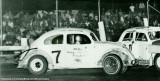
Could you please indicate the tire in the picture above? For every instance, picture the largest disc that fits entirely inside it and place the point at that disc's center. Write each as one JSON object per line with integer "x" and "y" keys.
{"x": 124, "y": 69}
{"x": 37, "y": 65}
{"x": 112, "y": 65}
{"x": 157, "y": 62}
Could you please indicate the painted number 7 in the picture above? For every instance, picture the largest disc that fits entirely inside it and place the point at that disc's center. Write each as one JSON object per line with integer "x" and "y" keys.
{"x": 58, "y": 53}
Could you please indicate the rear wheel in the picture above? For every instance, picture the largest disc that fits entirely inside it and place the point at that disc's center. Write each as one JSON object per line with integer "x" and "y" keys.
{"x": 112, "y": 65}
{"x": 157, "y": 62}
{"x": 37, "y": 65}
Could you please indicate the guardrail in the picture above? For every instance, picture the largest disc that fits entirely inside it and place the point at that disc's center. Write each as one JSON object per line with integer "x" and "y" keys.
{"x": 16, "y": 51}
{"x": 10, "y": 57}
{"x": 7, "y": 54}
{"x": 15, "y": 48}
{"x": 12, "y": 48}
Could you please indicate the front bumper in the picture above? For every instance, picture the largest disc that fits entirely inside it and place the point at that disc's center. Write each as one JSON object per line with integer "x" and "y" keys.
{"x": 140, "y": 62}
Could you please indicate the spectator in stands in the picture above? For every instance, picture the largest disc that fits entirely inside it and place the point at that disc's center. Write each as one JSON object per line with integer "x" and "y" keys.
{"x": 141, "y": 7}
{"x": 132, "y": 7}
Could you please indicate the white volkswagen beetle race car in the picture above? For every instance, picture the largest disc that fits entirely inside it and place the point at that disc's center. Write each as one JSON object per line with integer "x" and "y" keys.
{"x": 73, "y": 48}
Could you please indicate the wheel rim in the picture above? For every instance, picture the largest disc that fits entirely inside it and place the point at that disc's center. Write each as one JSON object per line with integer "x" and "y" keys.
{"x": 158, "y": 62}
{"x": 36, "y": 65}
{"x": 111, "y": 65}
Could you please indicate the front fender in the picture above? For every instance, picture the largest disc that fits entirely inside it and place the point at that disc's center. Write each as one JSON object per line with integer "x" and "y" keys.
{"x": 24, "y": 62}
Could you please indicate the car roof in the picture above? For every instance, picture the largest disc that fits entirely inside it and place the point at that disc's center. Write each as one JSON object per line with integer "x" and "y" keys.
{"x": 143, "y": 29}
{"x": 72, "y": 30}
{"x": 67, "y": 31}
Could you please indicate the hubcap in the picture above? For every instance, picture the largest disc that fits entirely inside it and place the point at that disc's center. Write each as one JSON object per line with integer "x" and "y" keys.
{"x": 111, "y": 65}
{"x": 36, "y": 65}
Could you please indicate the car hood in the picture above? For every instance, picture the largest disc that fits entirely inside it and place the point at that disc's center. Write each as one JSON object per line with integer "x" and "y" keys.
{"x": 157, "y": 42}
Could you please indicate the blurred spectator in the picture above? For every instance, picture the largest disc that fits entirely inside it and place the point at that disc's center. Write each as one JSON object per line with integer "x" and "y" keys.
{"x": 132, "y": 7}
{"x": 141, "y": 7}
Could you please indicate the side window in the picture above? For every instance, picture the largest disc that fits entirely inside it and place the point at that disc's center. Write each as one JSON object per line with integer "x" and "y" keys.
{"x": 154, "y": 35}
{"x": 58, "y": 39}
{"x": 93, "y": 37}
{"x": 78, "y": 39}
{"x": 128, "y": 37}
{"x": 141, "y": 37}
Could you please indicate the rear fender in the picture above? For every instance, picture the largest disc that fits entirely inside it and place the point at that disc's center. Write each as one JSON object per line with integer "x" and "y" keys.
{"x": 29, "y": 55}
{"x": 125, "y": 59}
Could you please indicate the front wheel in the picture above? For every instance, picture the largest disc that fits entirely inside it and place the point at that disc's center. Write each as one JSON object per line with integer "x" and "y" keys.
{"x": 37, "y": 65}
{"x": 124, "y": 69}
{"x": 112, "y": 65}
{"x": 157, "y": 62}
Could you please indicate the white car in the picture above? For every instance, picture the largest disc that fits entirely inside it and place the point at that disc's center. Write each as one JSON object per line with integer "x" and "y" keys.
{"x": 144, "y": 42}
{"x": 73, "y": 48}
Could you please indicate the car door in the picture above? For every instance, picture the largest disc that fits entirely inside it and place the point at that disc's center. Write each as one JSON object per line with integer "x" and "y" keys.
{"x": 79, "y": 49}
{"x": 128, "y": 40}
{"x": 54, "y": 46}
{"x": 140, "y": 46}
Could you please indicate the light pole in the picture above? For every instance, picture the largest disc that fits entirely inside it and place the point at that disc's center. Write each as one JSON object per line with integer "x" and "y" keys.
{"x": 99, "y": 10}
{"x": 56, "y": 13}
{"x": 148, "y": 11}
{"x": 101, "y": 24}
{"x": 1, "y": 39}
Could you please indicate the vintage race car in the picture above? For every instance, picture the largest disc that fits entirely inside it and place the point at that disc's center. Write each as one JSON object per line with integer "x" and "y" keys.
{"x": 144, "y": 43}
{"x": 73, "y": 48}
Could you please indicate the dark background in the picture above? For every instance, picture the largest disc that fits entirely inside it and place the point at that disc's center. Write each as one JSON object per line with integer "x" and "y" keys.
{"x": 70, "y": 4}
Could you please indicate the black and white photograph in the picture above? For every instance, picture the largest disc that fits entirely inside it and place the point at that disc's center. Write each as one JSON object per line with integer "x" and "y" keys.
{"x": 79, "y": 40}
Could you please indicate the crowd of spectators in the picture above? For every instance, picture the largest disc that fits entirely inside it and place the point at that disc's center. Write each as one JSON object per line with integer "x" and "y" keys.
{"x": 26, "y": 24}
{"x": 32, "y": 25}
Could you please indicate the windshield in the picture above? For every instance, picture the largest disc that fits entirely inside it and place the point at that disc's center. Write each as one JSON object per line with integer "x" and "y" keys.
{"x": 154, "y": 35}
{"x": 94, "y": 37}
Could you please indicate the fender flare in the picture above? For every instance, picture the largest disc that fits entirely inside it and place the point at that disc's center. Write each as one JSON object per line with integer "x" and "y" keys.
{"x": 126, "y": 61}
{"x": 39, "y": 52}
